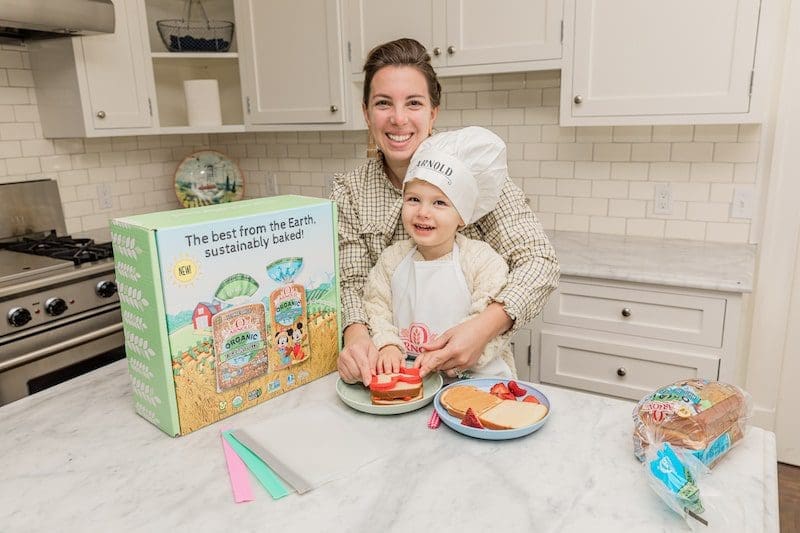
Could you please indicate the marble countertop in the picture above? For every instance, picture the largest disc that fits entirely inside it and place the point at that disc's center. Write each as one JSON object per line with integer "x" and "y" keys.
{"x": 681, "y": 263}
{"x": 77, "y": 458}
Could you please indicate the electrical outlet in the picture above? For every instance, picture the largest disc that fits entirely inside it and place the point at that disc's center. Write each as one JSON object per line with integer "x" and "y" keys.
{"x": 272, "y": 185}
{"x": 663, "y": 199}
{"x": 742, "y": 206}
{"x": 104, "y": 196}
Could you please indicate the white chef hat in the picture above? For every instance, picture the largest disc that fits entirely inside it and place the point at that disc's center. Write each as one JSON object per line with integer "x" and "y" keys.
{"x": 468, "y": 165}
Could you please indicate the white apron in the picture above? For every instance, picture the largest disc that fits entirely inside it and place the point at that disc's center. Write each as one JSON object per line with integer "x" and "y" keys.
{"x": 430, "y": 297}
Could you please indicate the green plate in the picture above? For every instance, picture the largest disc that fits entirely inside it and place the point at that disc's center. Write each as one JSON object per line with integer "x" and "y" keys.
{"x": 357, "y": 396}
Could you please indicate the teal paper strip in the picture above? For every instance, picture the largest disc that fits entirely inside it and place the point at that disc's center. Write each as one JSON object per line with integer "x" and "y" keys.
{"x": 264, "y": 474}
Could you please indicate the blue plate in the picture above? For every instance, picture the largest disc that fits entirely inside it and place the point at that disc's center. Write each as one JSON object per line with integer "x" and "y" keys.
{"x": 490, "y": 434}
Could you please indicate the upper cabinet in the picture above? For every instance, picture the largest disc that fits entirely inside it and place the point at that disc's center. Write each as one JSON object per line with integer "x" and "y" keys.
{"x": 658, "y": 62}
{"x": 99, "y": 85}
{"x": 292, "y": 64}
{"x": 462, "y": 36}
{"x": 207, "y": 51}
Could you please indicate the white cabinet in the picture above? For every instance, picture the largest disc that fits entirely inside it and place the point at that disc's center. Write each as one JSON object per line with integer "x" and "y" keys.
{"x": 171, "y": 69}
{"x": 658, "y": 62}
{"x": 462, "y": 36}
{"x": 96, "y": 85}
{"x": 627, "y": 339}
{"x": 292, "y": 64}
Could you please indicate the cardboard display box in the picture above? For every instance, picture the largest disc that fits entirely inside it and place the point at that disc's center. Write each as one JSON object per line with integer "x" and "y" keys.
{"x": 226, "y": 306}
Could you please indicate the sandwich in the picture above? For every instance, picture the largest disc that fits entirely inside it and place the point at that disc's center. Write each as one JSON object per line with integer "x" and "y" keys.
{"x": 458, "y": 399}
{"x": 491, "y": 411}
{"x": 396, "y": 388}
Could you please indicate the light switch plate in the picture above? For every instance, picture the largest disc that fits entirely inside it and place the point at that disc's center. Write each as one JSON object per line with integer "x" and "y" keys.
{"x": 742, "y": 205}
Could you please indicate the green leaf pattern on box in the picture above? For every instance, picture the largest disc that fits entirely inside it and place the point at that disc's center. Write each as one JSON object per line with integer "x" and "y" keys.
{"x": 139, "y": 287}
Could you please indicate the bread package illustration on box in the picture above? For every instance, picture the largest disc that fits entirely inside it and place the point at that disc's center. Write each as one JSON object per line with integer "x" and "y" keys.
{"x": 287, "y": 312}
{"x": 226, "y": 306}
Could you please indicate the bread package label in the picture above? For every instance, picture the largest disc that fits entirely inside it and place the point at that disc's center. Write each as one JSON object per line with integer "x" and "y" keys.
{"x": 704, "y": 417}
{"x": 287, "y": 313}
{"x": 239, "y": 345}
{"x": 226, "y": 306}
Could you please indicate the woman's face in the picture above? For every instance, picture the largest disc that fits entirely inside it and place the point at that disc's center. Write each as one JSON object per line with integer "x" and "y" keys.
{"x": 399, "y": 113}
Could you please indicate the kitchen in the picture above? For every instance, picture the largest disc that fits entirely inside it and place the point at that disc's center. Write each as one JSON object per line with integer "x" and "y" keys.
{"x": 594, "y": 176}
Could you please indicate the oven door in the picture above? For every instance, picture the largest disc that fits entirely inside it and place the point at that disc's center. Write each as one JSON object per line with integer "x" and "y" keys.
{"x": 56, "y": 352}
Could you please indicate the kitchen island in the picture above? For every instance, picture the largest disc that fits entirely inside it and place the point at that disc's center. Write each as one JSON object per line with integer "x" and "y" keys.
{"x": 77, "y": 458}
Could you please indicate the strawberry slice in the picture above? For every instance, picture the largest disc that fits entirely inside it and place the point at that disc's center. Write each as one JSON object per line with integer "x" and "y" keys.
{"x": 499, "y": 388}
{"x": 530, "y": 399}
{"x": 471, "y": 419}
{"x": 515, "y": 389}
{"x": 507, "y": 396}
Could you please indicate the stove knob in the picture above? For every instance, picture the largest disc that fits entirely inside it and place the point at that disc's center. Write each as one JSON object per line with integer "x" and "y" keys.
{"x": 106, "y": 289}
{"x": 55, "y": 306}
{"x": 18, "y": 317}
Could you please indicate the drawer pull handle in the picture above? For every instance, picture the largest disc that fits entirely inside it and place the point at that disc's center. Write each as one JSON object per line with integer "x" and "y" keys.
{"x": 626, "y": 312}
{"x": 621, "y": 371}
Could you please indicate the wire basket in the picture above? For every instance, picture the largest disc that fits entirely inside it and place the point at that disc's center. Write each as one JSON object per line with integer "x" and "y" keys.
{"x": 199, "y": 35}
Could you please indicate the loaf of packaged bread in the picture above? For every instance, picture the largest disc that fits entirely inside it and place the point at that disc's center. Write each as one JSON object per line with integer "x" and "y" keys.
{"x": 704, "y": 417}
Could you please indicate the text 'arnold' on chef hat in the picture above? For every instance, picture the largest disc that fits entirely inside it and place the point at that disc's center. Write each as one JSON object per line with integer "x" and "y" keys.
{"x": 468, "y": 165}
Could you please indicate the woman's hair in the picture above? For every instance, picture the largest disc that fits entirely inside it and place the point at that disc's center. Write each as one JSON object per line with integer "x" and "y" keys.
{"x": 402, "y": 52}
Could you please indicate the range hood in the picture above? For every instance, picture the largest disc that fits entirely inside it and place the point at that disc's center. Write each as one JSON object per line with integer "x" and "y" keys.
{"x": 44, "y": 19}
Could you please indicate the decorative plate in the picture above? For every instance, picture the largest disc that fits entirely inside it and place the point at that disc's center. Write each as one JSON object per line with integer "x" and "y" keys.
{"x": 208, "y": 177}
{"x": 490, "y": 434}
{"x": 357, "y": 396}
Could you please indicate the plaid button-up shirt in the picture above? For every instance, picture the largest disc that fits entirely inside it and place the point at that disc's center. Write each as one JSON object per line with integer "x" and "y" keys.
{"x": 369, "y": 221}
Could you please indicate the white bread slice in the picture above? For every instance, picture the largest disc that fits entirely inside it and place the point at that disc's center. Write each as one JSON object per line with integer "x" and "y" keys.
{"x": 511, "y": 414}
{"x": 458, "y": 399}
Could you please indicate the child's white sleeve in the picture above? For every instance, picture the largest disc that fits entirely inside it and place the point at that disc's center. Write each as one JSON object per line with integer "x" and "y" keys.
{"x": 378, "y": 300}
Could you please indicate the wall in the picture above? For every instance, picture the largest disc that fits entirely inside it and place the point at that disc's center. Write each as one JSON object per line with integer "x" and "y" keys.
{"x": 598, "y": 179}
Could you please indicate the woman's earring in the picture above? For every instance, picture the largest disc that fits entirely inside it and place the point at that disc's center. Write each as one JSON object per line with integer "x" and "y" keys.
{"x": 372, "y": 147}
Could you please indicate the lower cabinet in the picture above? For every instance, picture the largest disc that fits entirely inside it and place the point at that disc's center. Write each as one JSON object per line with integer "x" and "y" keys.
{"x": 627, "y": 339}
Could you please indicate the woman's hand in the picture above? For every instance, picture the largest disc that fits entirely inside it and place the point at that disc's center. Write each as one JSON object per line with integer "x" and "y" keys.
{"x": 459, "y": 348}
{"x": 359, "y": 357}
{"x": 390, "y": 359}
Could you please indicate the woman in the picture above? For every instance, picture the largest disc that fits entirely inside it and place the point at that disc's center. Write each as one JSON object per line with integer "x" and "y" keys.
{"x": 400, "y": 104}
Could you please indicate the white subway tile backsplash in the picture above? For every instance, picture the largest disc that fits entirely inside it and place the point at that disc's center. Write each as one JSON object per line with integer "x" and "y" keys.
{"x": 716, "y": 132}
{"x": 685, "y": 229}
{"x": 613, "y": 225}
{"x": 566, "y": 222}
{"x": 598, "y": 178}
{"x": 672, "y": 133}
{"x": 594, "y": 134}
{"x": 736, "y": 152}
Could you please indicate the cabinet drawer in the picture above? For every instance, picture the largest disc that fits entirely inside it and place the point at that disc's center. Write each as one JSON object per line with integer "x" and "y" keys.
{"x": 617, "y": 369}
{"x": 653, "y": 314}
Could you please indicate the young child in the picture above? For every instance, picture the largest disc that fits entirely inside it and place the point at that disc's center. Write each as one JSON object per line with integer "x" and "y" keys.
{"x": 438, "y": 278}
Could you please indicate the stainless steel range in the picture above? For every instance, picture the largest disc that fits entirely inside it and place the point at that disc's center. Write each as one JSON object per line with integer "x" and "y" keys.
{"x": 59, "y": 308}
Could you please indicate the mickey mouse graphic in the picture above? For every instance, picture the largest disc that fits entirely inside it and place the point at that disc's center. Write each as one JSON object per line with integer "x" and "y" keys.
{"x": 282, "y": 342}
{"x": 297, "y": 335}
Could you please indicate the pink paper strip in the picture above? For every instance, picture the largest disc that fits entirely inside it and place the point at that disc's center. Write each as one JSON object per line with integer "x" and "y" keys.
{"x": 240, "y": 480}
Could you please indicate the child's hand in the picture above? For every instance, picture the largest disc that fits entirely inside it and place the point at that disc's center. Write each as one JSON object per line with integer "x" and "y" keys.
{"x": 390, "y": 360}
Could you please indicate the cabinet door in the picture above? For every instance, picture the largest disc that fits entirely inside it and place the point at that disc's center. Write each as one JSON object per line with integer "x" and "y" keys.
{"x": 502, "y": 31}
{"x": 290, "y": 61}
{"x": 658, "y": 58}
{"x": 116, "y": 82}
{"x": 373, "y": 22}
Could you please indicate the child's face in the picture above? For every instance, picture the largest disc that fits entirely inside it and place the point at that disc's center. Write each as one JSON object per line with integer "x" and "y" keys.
{"x": 429, "y": 218}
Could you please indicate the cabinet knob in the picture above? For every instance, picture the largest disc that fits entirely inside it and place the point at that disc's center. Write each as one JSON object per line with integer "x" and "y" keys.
{"x": 578, "y": 99}
{"x": 626, "y": 312}
{"x": 451, "y": 49}
{"x": 101, "y": 114}
{"x": 621, "y": 371}
{"x": 334, "y": 109}
{"x": 437, "y": 51}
